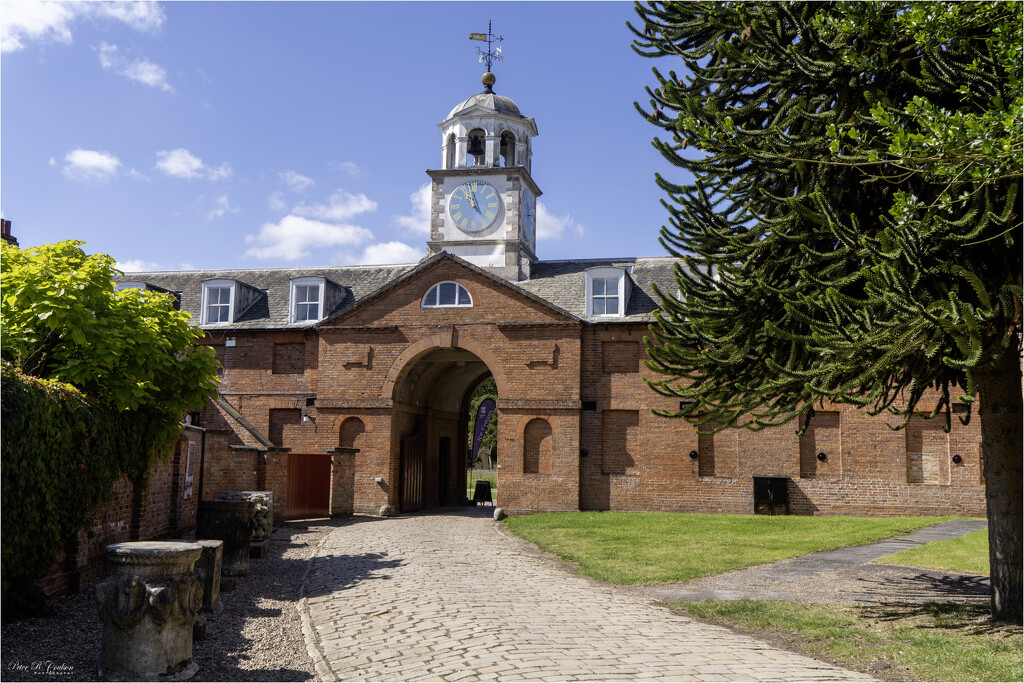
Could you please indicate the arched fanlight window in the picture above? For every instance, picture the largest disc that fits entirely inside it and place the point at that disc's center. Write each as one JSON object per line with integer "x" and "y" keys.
{"x": 446, "y": 295}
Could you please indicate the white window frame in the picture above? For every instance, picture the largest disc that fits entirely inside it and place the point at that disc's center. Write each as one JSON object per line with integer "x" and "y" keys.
{"x": 229, "y": 285}
{"x": 294, "y": 302}
{"x": 437, "y": 288}
{"x": 133, "y": 284}
{"x": 605, "y": 273}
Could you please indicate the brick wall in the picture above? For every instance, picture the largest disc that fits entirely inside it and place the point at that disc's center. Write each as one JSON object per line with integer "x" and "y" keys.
{"x": 601, "y": 448}
{"x": 132, "y": 513}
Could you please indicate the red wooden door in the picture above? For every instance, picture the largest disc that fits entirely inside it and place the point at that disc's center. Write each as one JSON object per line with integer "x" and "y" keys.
{"x": 412, "y": 473}
{"x": 309, "y": 486}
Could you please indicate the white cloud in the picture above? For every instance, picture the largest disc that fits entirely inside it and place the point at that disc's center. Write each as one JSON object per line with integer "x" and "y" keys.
{"x": 276, "y": 202}
{"x": 340, "y": 206}
{"x": 552, "y": 227}
{"x": 134, "y": 265}
{"x": 390, "y": 252}
{"x": 88, "y": 164}
{"x": 349, "y": 167}
{"x": 138, "y": 70}
{"x": 220, "y": 172}
{"x": 296, "y": 181}
{"x": 417, "y": 221}
{"x": 221, "y": 206}
{"x": 24, "y": 22}
{"x": 180, "y": 163}
{"x": 293, "y": 237}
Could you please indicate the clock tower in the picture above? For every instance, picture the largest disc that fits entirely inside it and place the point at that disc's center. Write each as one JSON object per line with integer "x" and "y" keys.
{"x": 483, "y": 198}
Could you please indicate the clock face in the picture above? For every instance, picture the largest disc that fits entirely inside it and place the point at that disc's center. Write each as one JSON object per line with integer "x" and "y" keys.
{"x": 474, "y": 206}
{"x": 528, "y": 215}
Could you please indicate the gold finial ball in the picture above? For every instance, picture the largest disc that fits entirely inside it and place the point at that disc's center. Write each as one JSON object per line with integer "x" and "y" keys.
{"x": 488, "y": 79}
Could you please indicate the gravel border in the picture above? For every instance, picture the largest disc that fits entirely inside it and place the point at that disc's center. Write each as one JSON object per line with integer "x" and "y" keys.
{"x": 258, "y": 636}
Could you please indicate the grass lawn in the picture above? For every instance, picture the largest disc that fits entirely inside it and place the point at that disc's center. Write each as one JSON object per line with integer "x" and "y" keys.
{"x": 642, "y": 547}
{"x": 967, "y": 555}
{"x": 935, "y": 641}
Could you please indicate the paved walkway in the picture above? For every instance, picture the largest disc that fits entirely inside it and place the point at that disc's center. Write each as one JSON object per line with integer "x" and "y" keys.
{"x": 455, "y": 597}
{"x": 843, "y": 576}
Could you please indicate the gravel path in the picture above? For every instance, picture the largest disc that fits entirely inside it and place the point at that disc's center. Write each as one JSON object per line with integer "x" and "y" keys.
{"x": 258, "y": 636}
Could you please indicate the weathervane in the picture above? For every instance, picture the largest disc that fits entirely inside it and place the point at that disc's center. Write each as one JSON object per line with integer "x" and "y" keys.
{"x": 491, "y": 55}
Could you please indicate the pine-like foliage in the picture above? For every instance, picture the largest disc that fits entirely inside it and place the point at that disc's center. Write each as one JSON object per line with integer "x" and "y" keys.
{"x": 821, "y": 261}
{"x": 852, "y": 231}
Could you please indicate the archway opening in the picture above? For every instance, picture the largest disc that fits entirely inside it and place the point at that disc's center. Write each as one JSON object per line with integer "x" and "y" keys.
{"x": 482, "y": 439}
{"x": 430, "y": 451}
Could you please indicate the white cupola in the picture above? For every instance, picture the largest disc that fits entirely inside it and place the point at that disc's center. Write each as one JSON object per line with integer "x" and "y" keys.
{"x": 483, "y": 198}
{"x": 486, "y": 130}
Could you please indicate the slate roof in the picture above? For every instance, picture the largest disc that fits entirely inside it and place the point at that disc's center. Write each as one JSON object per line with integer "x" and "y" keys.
{"x": 560, "y": 284}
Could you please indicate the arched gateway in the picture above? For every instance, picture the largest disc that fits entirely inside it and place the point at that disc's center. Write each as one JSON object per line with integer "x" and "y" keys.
{"x": 430, "y": 398}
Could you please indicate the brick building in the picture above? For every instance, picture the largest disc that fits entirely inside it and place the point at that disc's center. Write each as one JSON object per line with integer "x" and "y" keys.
{"x": 345, "y": 388}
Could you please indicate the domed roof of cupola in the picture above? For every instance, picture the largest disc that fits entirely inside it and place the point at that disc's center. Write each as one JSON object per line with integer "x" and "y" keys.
{"x": 488, "y": 100}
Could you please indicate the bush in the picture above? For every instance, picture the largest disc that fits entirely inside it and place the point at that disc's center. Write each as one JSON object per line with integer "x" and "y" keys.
{"x": 61, "y": 454}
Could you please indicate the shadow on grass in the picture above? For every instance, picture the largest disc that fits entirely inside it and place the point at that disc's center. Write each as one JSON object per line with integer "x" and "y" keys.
{"x": 927, "y": 586}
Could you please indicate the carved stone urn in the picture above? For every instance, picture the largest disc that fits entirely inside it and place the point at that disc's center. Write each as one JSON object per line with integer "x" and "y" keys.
{"x": 148, "y": 606}
{"x": 229, "y": 521}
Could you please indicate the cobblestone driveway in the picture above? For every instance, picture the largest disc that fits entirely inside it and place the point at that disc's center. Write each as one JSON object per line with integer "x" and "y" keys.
{"x": 454, "y": 597}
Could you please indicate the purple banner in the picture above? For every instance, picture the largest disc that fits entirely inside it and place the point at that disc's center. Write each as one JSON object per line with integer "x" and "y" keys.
{"x": 484, "y": 413}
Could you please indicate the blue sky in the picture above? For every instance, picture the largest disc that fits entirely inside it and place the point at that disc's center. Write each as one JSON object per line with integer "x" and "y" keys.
{"x": 279, "y": 134}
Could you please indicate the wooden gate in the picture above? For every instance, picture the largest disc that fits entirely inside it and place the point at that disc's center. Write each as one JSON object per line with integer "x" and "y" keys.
{"x": 309, "y": 486}
{"x": 411, "y": 459}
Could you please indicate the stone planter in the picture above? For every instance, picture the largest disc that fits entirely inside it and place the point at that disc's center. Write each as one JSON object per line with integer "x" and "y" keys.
{"x": 231, "y": 522}
{"x": 148, "y": 606}
{"x": 263, "y": 515}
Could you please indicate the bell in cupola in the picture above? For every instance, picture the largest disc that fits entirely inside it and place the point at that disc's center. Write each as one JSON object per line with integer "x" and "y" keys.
{"x": 476, "y": 146}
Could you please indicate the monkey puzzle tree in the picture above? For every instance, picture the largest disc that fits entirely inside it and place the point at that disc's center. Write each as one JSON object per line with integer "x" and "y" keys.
{"x": 852, "y": 231}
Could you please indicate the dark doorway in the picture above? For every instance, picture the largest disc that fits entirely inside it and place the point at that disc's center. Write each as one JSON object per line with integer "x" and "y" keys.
{"x": 444, "y": 458}
{"x": 411, "y": 462}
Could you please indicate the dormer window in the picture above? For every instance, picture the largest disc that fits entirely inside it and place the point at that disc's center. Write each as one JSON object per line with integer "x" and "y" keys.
{"x": 307, "y": 300}
{"x": 446, "y": 295}
{"x": 218, "y": 302}
{"x": 134, "y": 284}
{"x": 225, "y": 301}
{"x": 607, "y": 292}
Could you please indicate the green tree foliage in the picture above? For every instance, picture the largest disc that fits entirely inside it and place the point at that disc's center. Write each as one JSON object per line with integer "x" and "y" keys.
{"x": 62, "y": 320}
{"x": 852, "y": 230}
{"x": 95, "y": 383}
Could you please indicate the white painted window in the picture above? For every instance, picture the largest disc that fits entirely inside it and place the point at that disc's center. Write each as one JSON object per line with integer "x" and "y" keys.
{"x": 606, "y": 292}
{"x": 218, "y": 302}
{"x": 307, "y": 300}
{"x": 446, "y": 295}
{"x": 121, "y": 286}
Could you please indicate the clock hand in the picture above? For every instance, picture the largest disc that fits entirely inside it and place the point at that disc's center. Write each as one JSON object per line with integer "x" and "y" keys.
{"x": 472, "y": 202}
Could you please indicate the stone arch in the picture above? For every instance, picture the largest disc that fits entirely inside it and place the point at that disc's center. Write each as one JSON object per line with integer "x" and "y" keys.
{"x": 443, "y": 340}
{"x": 538, "y": 447}
{"x": 449, "y": 152}
{"x": 476, "y": 147}
{"x": 507, "y": 148}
